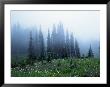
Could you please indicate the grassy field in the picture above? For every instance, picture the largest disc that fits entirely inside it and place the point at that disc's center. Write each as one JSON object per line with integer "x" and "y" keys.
{"x": 87, "y": 67}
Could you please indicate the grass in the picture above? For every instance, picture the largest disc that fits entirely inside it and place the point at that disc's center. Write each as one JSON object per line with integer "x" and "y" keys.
{"x": 87, "y": 67}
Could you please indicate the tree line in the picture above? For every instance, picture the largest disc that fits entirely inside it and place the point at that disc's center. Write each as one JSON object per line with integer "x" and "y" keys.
{"x": 58, "y": 45}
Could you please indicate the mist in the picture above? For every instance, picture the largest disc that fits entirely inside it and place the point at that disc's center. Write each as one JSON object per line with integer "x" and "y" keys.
{"x": 85, "y": 26}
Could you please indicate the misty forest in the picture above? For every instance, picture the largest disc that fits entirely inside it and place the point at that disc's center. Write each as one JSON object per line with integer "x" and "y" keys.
{"x": 59, "y": 53}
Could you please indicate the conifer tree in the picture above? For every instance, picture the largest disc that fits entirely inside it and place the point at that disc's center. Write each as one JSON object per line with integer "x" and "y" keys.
{"x": 36, "y": 44}
{"x": 41, "y": 45}
{"x": 54, "y": 42}
{"x": 61, "y": 40}
{"x": 31, "y": 49}
{"x": 49, "y": 53}
{"x": 72, "y": 48}
{"x": 77, "y": 49}
{"x": 67, "y": 45}
{"x": 90, "y": 53}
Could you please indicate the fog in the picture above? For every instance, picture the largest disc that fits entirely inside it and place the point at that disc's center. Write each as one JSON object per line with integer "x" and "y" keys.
{"x": 85, "y": 25}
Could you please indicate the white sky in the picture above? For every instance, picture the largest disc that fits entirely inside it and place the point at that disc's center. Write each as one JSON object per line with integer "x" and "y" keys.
{"x": 85, "y": 25}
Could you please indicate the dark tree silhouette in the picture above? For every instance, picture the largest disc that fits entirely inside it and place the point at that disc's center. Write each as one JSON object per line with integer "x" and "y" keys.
{"x": 31, "y": 49}
{"x": 90, "y": 53}
{"x": 48, "y": 42}
{"x": 36, "y": 44}
{"x": 41, "y": 45}
{"x": 57, "y": 44}
{"x": 54, "y": 42}
{"x": 77, "y": 49}
{"x": 67, "y": 45}
{"x": 49, "y": 50}
{"x": 72, "y": 48}
{"x": 61, "y": 41}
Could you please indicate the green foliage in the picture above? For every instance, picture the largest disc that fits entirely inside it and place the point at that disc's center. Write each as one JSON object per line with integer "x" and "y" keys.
{"x": 87, "y": 67}
{"x": 59, "y": 63}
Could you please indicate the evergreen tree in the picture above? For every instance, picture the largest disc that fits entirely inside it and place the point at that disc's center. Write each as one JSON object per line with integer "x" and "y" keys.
{"x": 54, "y": 42}
{"x": 61, "y": 41}
{"x": 72, "y": 48}
{"x": 49, "y": 47}
{"x": 48, "y": 42}
{"x": 41, "y": 45}
{"x": 31, "y": 49}
{"x": 67, "y": 45}
{"x": 90, "y": 52}
{"x": 36, "y": 44}
{"x": 77, "y": 49}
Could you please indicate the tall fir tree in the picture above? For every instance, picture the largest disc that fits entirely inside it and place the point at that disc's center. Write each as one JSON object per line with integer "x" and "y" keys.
{"x": 49, "y": 50}
{"x": 48, "y": 42}
{"x": 31, "y": 49}
{"x": 77, "y": 49}
{"x": 90, "y": 53}
{"x": 72, "y": 48}
{"x": 36, "y": 44}
{"x": 67, "y": 45}
{"x": 41, "y": 45}
{"x": 54, "y": 42}
{"x": 61, "y": 40}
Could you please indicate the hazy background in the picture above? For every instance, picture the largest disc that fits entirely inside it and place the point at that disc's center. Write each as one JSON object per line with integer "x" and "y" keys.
{"x": 85, "y": 25}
